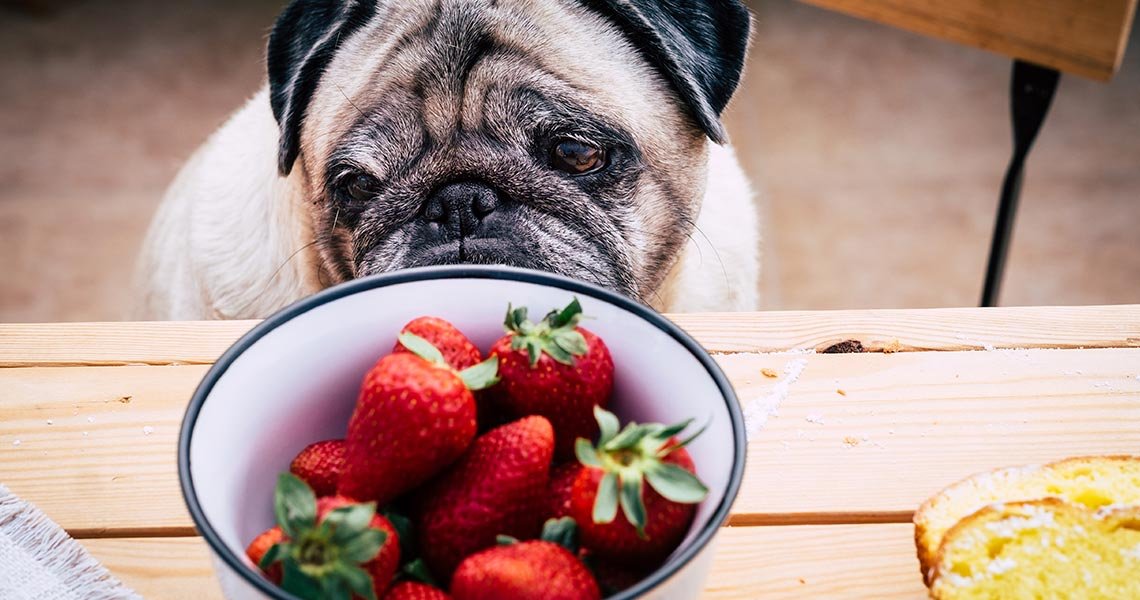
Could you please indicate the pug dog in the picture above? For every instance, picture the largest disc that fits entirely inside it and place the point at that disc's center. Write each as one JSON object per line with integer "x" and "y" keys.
{"x": 579, "y": 137}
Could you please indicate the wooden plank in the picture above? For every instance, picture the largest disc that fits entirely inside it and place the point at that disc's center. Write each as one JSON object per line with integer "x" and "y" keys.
{"x": 852, "y": 562}
{"x": 837, "y": 561}
{"x": 95, "y": 448}
{"x": 1073, "y": 36}
{"x": 868, "y": 437}
{"x": 909, "y": 424}
{"x": 131, "y": 343}
{"x": 943, "y": 329}
{"x": 162, "y": 343}
{"x": 160, "y": 568}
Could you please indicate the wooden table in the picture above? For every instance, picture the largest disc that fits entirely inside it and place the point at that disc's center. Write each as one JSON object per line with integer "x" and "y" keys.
{"x": 1082, "y": 37}
{"x": 857, "y": 442}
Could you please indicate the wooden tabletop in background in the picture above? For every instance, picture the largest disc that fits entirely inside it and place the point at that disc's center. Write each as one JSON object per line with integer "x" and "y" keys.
{"x": 1083, "y": 37}
{"x": 89, "y": 418}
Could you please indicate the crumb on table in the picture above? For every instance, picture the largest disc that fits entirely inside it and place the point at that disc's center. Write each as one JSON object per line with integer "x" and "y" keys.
{"x": 769, "y": 373}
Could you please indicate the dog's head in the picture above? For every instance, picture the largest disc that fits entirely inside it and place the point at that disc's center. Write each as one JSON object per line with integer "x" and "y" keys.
{"x": 563, "y": 135}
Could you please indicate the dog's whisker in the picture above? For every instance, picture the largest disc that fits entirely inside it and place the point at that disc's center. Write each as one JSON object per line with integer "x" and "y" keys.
{"x": 700, "y": 253}
{"x": 276, "y": 272}
{"x": 716, "y": 252}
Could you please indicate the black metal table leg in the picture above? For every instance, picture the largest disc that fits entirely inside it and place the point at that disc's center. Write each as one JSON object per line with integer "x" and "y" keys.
{"x": 1030, "y": 94}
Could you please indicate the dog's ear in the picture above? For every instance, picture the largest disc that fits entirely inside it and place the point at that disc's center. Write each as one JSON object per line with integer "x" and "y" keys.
{"x": 301, "y": 46}
{"x": 698, "y": 45}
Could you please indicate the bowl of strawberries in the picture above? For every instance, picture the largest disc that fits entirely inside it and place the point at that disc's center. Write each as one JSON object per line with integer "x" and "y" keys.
{"x": 462, "y": 433}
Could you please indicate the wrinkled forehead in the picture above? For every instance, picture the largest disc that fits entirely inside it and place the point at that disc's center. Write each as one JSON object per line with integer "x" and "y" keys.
{"x": 447, "y": 53}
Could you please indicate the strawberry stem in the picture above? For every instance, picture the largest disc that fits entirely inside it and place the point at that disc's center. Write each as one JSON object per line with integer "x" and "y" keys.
{"x": 322, "y": 560}
{"x": 556, "y": 334}
{"x": 631, "y": 457}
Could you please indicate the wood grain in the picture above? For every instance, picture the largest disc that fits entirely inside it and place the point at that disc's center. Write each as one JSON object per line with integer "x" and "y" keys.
{"x": 943, "y": 329}
{"x": 852, "y": 562}
{"x": 95, "y": 448}
{"x": 164, "y": 343}
{"x": 838, "y": 561}
{"x": 908, "y": 425}
{"x": 1074, "y": 36}
{"x": 160, "y": 568}
{"x": 114, "y": 344}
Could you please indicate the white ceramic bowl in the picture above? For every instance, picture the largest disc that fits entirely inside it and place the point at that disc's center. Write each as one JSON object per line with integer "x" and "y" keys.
{"x": 293, "y": 380}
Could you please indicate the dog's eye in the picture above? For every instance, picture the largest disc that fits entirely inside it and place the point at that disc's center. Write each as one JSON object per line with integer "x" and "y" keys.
{"x": 361, "y": 187}
{"x": 576, "y": 158}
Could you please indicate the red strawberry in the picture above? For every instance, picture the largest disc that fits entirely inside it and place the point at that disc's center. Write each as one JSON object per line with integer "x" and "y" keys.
{"x": 457, "y": 350}
{"x": 654, "y": 519}
{"x": 260, "y": 545}
{"x": 498, "y": 487}
{"x": 319, "y": 465}
{"x": 561, "y": 486}
{"x": 554, "y": 369}
{"x": 415, "y": 415}
{"x": 383, "y": 567}
{"x": 411, "y": 590}
{"x": 535, "y": 570}
{"x": 332, "y": 548}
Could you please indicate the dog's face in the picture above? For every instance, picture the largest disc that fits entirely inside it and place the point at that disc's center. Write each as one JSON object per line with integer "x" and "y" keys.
{"x": 519, "y": 132}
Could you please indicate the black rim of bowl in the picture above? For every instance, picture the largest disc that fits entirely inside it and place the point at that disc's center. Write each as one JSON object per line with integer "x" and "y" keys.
{"x": 254, "y": 578}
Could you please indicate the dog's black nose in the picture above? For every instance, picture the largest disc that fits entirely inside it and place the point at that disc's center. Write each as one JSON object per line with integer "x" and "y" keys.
{"x": 460, "y": 207}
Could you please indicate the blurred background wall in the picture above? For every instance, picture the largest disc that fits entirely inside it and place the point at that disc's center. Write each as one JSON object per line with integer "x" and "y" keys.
{"x": 877, "y": 156}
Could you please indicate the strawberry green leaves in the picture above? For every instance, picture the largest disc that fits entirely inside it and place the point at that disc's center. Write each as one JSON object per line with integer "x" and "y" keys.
{"x": 482, "y": 375}
{"x": 676, "y": 484}
{"x": 608, "y": 425}
{"x": 563, "y": 531}
{"x": 423, "y": 349}
{"x": 477, "y": 377}
{"x": 556, "y": 335}
{"x": 294, "y": 505}
{"x": 567, "y": 317}
{"x": 605, "y": 507}
{"x": 631, "y": 504}
{"x": 322, "y": 560}
{"x": 629, "y": 459}
{"x": 417, "y": 570}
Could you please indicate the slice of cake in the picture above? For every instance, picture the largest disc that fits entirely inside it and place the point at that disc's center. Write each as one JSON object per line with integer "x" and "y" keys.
{"x": 1093, "y": 482}
{"x": 1040, "y": 550}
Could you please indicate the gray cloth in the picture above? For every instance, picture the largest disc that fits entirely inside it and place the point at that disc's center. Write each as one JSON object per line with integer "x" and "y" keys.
{"x": 39, "y": 561}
